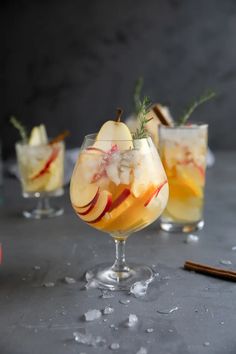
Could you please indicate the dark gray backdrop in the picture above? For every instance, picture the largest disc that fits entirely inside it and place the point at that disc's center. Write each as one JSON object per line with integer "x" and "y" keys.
{"x": 70, "y": 63}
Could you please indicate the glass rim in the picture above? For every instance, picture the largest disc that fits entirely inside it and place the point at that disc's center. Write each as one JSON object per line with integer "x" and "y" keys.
{"x": 93, "y": 137}
{"x": 192, "y": 126}
{"x": 22, "y": 143}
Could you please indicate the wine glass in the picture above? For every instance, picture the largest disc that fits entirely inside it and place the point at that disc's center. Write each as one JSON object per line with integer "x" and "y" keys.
{"x": 41, "y": 169}
{"x": 119, "y": 187}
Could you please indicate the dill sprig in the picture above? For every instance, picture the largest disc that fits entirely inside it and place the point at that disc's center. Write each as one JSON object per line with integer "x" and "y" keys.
{"x": 143, "y": 108}
{"x": 20, "y": 127}
{"x": 202, "y": 99}
{"x": 137, "y": 94}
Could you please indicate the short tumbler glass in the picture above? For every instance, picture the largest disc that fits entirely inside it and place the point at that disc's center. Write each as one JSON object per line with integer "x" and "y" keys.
{"x": 41, "y": 171}
{"x": 183, "y": 152}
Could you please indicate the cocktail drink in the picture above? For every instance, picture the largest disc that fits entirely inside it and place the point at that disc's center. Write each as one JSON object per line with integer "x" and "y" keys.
{"x": 118, "y": 186}
{"x": 183, "y": 152}
{"x": 41, "y": 168}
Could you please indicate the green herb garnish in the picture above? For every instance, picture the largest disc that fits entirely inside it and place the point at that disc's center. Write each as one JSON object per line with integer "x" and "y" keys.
{"x": 143, "y": 108}
{"x": 20, "y": 127}
{"x": 137, "y": 94}
{"x": 202, "y": 99}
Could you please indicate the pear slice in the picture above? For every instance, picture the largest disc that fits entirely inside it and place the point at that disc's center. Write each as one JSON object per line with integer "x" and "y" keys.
{"x": 114, "y": 133}
{"x": 38, "y": 136}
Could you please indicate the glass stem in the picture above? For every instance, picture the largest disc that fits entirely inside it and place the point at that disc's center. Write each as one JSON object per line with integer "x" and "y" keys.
{"x": 120, "y": 264}
{"x": 43, "y": 204}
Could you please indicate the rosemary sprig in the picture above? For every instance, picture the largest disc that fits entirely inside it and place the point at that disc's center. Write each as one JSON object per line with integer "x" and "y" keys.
{"x": 202, "y": 99}
{"x": 137, "y": 94}
{"x": 143, "y": 108}
{"x": 20, "y": 127}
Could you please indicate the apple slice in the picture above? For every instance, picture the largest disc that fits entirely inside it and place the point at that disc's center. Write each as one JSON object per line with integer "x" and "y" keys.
{"x": 157, "y": 192}
{"x": 88, "y": 208}
{"x": 102, "y": 205}
{"x": 53, "y": 156}
{"x": 86, "y": 195}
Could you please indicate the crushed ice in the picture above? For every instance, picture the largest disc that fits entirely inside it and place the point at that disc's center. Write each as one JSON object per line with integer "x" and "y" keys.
{"x": 106, "y": 294}
{"x": 108, "y": 310}
{"x": 149, "y": 330}
{"x": 114, "y": 346}
{"x": 131, "y": 321}
{"x": 49, "y": 284}
{"x": 92, "y": 315}
{"x": 139, "y": 288}
{"x": 88, "y": 339}
{"x": 225, "y": 262}
{"x": 191, "y": 238}
{"x": 166, "y": 312}
{"x": 69, "y": 280}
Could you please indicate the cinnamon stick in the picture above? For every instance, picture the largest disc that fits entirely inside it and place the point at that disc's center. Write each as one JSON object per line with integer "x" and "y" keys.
{"x": 209, "y": 270}
{"x": 60, "y": 137}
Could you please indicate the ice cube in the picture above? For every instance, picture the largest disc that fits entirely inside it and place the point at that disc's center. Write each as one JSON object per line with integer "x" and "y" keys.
{"x": 108, "y": 310}
{"x": 114, "y": 346}
{"x": 49, "y": 284}
{"x": 92, "y": 315}
{"x": 191, "y": 238}
{"x": 132, "y": 320}
{"x": 69, "y": 280}
{"x": 142, "y": 350}
{"x": 139, "y": 288}
{"x": 206, "y": 344}
{"x": 88, "y": 339}
{"x": 113, "y": 173}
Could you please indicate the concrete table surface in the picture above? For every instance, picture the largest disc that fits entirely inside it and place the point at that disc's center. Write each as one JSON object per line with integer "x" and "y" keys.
{"x": 35, "y": 319}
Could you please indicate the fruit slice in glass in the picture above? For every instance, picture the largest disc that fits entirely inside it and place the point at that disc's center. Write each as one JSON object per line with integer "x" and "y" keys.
{"x": 119, "y": 187}
{"x": 41, "y": 169}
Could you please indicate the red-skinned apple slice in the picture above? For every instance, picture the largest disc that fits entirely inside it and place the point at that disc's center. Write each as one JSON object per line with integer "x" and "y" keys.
{"x": 121, "y": 197}
{"x": 100, "y": 208}
{"x": 87, "y": 195}
{"x": 155, "y": 193}
{"x": 88, "y": 208}
{"x": 94, "y": 149}
{"x": 47, "y": 165}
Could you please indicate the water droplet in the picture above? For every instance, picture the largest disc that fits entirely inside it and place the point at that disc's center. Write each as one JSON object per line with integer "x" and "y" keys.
{"x": 206, "y": 344}
{"x": 225, "y": 262}
{"x": 36, "y": 267}
{"x": 149, "y": 330}
{"x": 191, "y": 238}
{"x": 233, "y": 248}
{"x": 166, "y": 312}
{"x": 142, "y": 350}
{"x": 124, "y": 302}
{"x": 69, "y": 280}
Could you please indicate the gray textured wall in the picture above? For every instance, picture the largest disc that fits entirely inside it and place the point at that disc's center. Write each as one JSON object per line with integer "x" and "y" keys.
{"x": 70, "y": 63}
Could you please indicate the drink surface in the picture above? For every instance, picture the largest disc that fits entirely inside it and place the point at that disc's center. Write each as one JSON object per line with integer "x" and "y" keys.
{"x": 41, "y": 167}
{"x": 119, "y": 191}
{"x": 183, "y": 153}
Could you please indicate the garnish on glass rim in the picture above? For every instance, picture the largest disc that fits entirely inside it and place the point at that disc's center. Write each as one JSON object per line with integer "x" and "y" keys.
{"x": 144, "y": 107}
{"x": 20, "y": 127}
{"x": 202, "y": 99}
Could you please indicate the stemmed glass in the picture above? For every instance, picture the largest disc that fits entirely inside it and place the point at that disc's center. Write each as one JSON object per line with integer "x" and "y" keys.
{"x": 41, "y": 171}
{"x": 120, "y": 188}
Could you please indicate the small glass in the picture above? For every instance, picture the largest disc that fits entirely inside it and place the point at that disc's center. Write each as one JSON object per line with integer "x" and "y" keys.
{"x": 41, "y": 171}
{"x": 183, "y": 151}
{"x": 119, "y": 187}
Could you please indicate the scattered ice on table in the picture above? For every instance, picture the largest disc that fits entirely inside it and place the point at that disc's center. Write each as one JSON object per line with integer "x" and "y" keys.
{"x": 139, "y": 288}
{"x": 49, "y": 284}
{"x": 114, "y": 346}
{"x": 124, "y": 302}
{"x": 166, "y": 277}
{"x": 63, "y": 313}
{"x": 106, "y": 294}
{"x": 222, "y": 322}
{"x": 225, "y": 262}
{"x": 142, "y": 350}
{"x": 149, "y": 330}
{"x": 108, "y": 310}
{"x": 114, "y": 327}
{"x": 69, "y": 280}
{"x": 36, "y": 267}
{"x": 68, "y": 264}
{"x": 91, "y": 284}
{"x": 132, "y": 320}
{"x": 233, "y": 248}
{"x": 92, "y": 315}
{"x": 206, "y": 344}
{"x": 171, "y": 330}
{"x": 105, "y": 320}
{"x": 166, "y": 312}
{"x": 191, "y": 238}
{"x": 89, "y": 275}
{"x": 88, "y": 339}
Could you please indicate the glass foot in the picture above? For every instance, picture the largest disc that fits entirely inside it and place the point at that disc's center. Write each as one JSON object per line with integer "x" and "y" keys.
{"x": 181, "y": 227}
{"x": 43, "y": 213}
{"x": 104, "y": 277}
